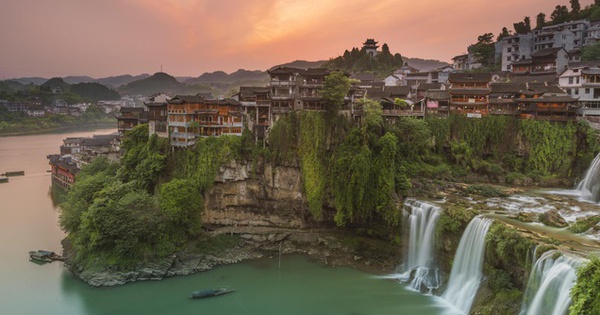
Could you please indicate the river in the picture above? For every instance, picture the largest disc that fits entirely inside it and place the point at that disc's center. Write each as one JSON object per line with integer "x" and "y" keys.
{"x": 28, "y": 221}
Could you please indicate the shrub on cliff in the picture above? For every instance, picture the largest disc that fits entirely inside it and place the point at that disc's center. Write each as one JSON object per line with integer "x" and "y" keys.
{"x": 586, "y": 291}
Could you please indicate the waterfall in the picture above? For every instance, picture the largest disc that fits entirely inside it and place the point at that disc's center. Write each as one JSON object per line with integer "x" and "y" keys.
{"x": 589, "y": 187}
{"x": 467, "y": 272}
{"x": 550, "y": 284}
{"x": 419, "y": 268}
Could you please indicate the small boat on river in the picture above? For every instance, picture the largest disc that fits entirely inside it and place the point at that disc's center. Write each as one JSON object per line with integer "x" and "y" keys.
{"x": 14, "y": 173}
{"x": 44, "y": 256}
{"x": 210, "y": 293}
{"x": 3, "y": 179}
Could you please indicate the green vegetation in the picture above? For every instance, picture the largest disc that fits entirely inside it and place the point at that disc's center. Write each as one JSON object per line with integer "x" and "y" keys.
{"x": 148, "y": 205}
{"x": 585, "y": 292}
{"x": 582, "y": 225}
{"x": 358, "y": 60}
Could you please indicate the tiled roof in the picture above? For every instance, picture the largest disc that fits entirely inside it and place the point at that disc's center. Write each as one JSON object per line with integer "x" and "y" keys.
{"x": 546, "y": 52}
{"x": 507, "y": 87}
{"x": 469, "y": 77}
{"x": 437, "y": 94}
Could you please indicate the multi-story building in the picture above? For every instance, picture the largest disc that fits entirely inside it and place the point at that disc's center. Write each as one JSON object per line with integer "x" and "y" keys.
{"x": 284, "y": 88}
{"x": 568, "y": 35}
{"x": 192, "y": 116}
{"x": 582, "y": 81}
{"x": 514, "y": 48}
{"x": 469, "y": 93}
{"x": 129, "y": 117}
{"x": 539, "y": 105}
{"x": 256, "y": 106}
{"x": 310, "y": 87}
{"x": 592, "y": 35}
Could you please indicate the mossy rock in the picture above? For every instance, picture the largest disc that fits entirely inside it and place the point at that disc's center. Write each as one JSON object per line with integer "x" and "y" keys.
{"x": 524, "y": 217}
{"x": 553, "y": 218}
{"x": 583, "y": 225}
{"x": 486, "y": 191}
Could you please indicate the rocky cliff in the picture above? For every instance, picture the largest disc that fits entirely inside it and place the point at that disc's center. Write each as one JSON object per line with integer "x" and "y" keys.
{"x": 256, "y": 195}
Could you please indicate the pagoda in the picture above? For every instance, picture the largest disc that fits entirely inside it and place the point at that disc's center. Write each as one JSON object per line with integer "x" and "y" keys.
{"x": 370, "y": 46}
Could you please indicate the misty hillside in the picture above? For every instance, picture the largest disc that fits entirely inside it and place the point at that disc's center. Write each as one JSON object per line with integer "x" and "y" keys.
{"x": 117, "y": 81}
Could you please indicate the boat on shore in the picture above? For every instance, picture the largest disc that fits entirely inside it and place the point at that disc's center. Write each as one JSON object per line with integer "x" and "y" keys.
{"x": 13, "y": 173}
{"x": 44, "y": 256}
{"x": 210, "y": 293}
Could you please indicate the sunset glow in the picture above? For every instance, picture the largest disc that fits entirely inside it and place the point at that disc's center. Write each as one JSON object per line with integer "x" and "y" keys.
{"x": 189, "y": 37}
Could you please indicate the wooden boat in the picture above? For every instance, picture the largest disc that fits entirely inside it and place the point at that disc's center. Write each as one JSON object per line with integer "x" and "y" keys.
{"x": 14, "y": 173}
{"x": 3, "y": 179}
{"x": 44, "y": 256}
{"x": 210, "y": 293}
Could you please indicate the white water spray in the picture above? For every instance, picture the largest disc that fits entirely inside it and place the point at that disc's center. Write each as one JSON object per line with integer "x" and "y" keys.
{"x": 419, "y": 268}
{"x": 550, "y": 284}
{"x": 467, "y": 267}
{"x": 589, "y": 187}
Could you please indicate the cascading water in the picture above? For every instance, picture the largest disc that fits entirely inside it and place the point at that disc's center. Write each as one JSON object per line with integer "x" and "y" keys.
{"x": 419, "y": 267}
{"x": 467, "y": 272}
{"x": 589, "y": 187}
{"x": 550, "y": 284}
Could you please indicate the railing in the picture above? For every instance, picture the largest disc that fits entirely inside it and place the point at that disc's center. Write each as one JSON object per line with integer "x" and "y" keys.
{"x": 282, "y": 83}
{"x": 179, "y": 123}
{"x": 398, "y": 112}
{"x": 282, "y": 97}
{"x": 183, "y": 135}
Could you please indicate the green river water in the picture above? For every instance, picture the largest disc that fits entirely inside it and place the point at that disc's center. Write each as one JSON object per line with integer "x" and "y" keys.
{"x": 294, "y": 285}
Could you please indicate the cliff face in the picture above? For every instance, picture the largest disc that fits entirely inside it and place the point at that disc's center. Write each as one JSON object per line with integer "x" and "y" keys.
{"x": 256, "y": 195}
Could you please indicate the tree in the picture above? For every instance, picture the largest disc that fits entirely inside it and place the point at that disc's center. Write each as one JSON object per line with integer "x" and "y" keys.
{"x": 182, "y": 203}
{"x": 484, "y": 50}
{"x": 560, "y": 14}
{"x": 591, "y": 52}
{"x": 540, "y": 21}
{"x": 523, "y": 27}
{"x": 335, "y": 90}
{"x": 575, "y": 7}
{"x": 504, "y": 33}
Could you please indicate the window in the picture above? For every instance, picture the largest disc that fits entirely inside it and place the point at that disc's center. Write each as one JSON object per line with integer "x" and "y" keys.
{"x": 577, "y": 80}
{"x": 568, "y": 91}
{"x": 509, "y": 49}
{"x": 587, "y": 91}
{"x": 576, "y": 91}
{"x": 508, "y": 58}
{"x": 570, "y": 80}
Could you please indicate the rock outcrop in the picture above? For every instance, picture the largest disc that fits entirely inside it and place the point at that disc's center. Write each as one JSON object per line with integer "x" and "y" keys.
{"x": 256, "y": 195}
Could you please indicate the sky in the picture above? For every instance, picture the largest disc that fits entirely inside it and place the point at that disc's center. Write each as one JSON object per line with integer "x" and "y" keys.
{"x": 100, "y": 38}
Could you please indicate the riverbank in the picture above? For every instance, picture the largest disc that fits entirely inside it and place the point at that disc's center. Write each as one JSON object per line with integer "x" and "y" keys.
{"x": 327, "y": 247}
{"x": 86, "y": 127}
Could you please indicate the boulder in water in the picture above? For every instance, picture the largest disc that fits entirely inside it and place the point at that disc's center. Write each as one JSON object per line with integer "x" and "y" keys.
{"x": 553, "y": 218}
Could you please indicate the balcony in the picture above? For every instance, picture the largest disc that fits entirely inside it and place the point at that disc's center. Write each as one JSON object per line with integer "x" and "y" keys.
{"x": 183, "y": 135}
{"x": 282, "y": 97}
{"x": 179, "y": 123}
{"x": 282, "y": 83}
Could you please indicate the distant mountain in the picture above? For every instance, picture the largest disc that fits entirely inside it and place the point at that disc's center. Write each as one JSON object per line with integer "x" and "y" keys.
{"x": 11, "y": 86}
{"x": 160, "y": 82}
{"x": 34, "y": 80}
{"x": 55, "y": 83}
{"x": 302, "y": 64}
{"x": 424, "y": 65}
{"x": 121, "y": 80}
{"x": 79, "y": 79}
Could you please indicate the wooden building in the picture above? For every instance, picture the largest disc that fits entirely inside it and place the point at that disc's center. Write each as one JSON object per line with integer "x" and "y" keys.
{"x": 469, "y": 93}
{"x": 192, "y": 116}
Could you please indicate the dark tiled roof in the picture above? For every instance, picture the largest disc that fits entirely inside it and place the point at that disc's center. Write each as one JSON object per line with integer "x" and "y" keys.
{"x": 96, "y": 142}
{"x": 363, "y": 76}
{"x": 397, "y": 90}
{"x": 546, "y": 52}
{"x": 284, "y": 70}
{"x": 460, "y": 56}
{"x": 246, "y": 91}
{"x": 156, "y": 104}
{"x": 131, "y": 110}
{"x": 591, "y": 71}
{"x": 535, "y": 78}
{"x": 546, "y": 88}
{"x": 315, "y": 71}
{"x": 507, "y": 87}
{"x": 186, "y": 99}
{"x": 578, "y": 64}
{"x": 470, "y": 91}
{"x": 429, "y": 86}
{"x": 437, "y": 94}
{"x": 469, "y": 77}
